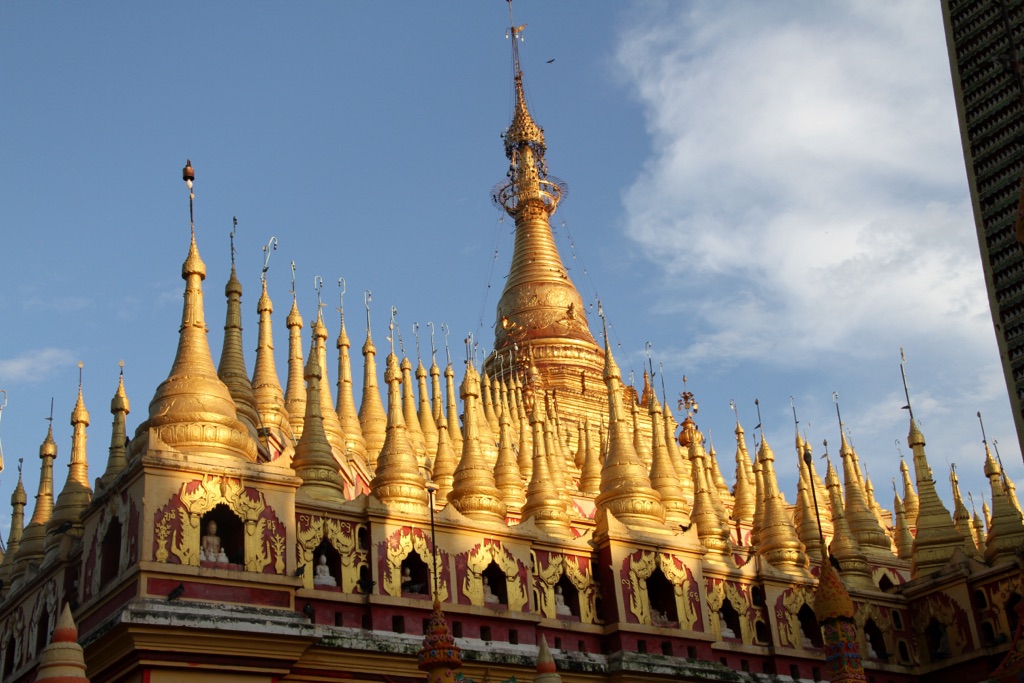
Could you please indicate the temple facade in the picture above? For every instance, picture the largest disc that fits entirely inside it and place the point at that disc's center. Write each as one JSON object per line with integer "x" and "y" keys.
{"x": 534, "y": 518}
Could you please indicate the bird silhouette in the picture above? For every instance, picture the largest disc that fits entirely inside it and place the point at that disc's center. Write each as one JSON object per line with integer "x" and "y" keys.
{"x": 365, "y": 585}
{"x": 63, "y": 528}
{"x": 176, "y": 592}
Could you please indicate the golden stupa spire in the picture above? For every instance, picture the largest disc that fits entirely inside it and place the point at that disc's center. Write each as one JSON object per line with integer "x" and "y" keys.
{"x": 443, "y": 471}
{"x": 590, "y": 474}
{"x": 437, "y": 397}
{"x": 451, "y": 406}
{"x": 710, "y": 531}
{"x": 409, "y": 414}
{"x": 779, "y": 543}
{"x": 724, "y": 495}
{"x": 345, "y": 407}
{"x": 979, "y": 527}
{"x": 525, "y": 459}
{"x": 266, "y": 386}
{"x": 33, "y": 540}
{"x": 819, "y": 493}
{"x": 743, "y": 507}
{"x": 332, "y": 425}
{"x": 507, "y": 476}
{"x": 314, "y": 461}
{"x": 544, "y": 505}
{"x": 119, "y": 408}
{"x": 626, "y": 491}
{"x": 425, "y": 415}
{"x": 679, "y": 455}
{"x": 295, "y": 392}
{"x": 910, "y": 500}
{"x": 664, "y": 477}
{"x": 372, "y": 419}
{"x": 1005, "y": 530}
{"x": 398, "y": 482}
{"x": 63, "y": 659}
{"x": 192, "y": 410}
{"x": 844, "y": 547}
{"x": 1009, "y": 488}
{"x": 556, "y": 463}
{"x": 77, "y": 493}
{"x": 487, "y": 401}
{"x": 936, "y": 537}
{"x": 18, "y": 500}
{"x": 474, "y": 492}
{"x": 232, "y": 370}
{"x": 758, "y": 517}
{"x": 961, "y": 517}
{"x": 903, "y": 538}
{"x": 870, "y": 536}
{"x": 806, "y": 522}
{"x": 640, "y": 444}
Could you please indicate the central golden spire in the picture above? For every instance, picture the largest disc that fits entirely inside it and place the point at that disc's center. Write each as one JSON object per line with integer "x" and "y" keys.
{"x": 541, "y": 317}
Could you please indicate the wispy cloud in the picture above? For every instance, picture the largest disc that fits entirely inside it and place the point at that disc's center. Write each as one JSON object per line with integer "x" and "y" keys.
{"x": 33, "y": 366}
{"x": 805, "y": 204}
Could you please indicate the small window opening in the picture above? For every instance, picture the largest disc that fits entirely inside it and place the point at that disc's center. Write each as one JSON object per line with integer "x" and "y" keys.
{"x": 415, "y": 575}
{"x": 662, "y": 597}
{"x": 729, "y": 619}
{"x": 110, "y": 552}
{"x": 809, "y": 628}
{"x": 567, "y": 598}
{"x": 495, "y": 587}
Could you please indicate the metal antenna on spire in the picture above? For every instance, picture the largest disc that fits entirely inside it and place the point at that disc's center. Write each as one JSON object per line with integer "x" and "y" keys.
{"x": 661, "y": 371}
{"x": 898, "y": 449}
{"x": 293, "y": 281}
{"x": 416, "y": 334}
{"x": 367, "y": 298}
{"x": 999, "y": 459}
{"x": 835, "y": 399}
{"x": 906, "y": 391}
{"x": 188, "y": 174}
{"x": 270, "y": 246}
{"x": 796, "y": 422}
{"x": 391, "y": 329}
{"x": 80, "y": 366}
{"x": 984, "y": 439}
{"x": 501, "y": 366}
{"x": 808, "y": 459}
{"x": 735, "y": 410}
{"x": 970, "y": 497}
{"x": 398, "y": 331}
{"x": 650, "y": 363}
{"x": 234, "y": 229}
{"x": 341, "y": 297}
{"x": 447, "y": 351}
{"x": 318, "y": 285}
{"x": 469, "y": 348}
{"x": 760, "y": 424}
{"x": 50, "y": 419}
{"x": 433, "y": 351}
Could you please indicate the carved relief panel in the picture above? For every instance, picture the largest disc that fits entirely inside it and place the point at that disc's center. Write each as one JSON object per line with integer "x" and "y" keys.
{"x": 472, "y": 567}
{"x": 177, "y": 525}
{"x": 550, "y": 567}
{"x": 343, "y": 536}
{"x": 679, "y": 607}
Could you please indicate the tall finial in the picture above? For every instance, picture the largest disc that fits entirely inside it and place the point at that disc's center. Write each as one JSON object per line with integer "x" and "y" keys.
{"x": 391, "y": 329}
{"x": 80, "y": 366}
{"x": 999, "y": 459}
{"x": 416, "y": 334}
{"x": 470, "y": 360}
{"x": 234, "y": 229}
{"x": 293, "y": 282}
{"x": 735, "y": 410}
{"x": 906, "y": 391}
{"x": 898, "y": 449}
{"x": 650, "y": 363}
{"x": 318, "y": 285}
{"x": 447, "y": 351}
{"x": 270, "y": 246}
{"x": 367, "y": 298}
{"x": 984, "y": 439}
{"x": 516, "y": 33}
{"x": 760, "y": 424}
{"x": 796, "y": 422}
{"x": 398, "y": 331}
{"x": 433, "y": 350}
{"x": 188, "y": 174}
{"x": 341, "y": 296}
{"x": 835, "y": 400}
{"x": 687, "y": 401}
{"x": 50, "y": 419}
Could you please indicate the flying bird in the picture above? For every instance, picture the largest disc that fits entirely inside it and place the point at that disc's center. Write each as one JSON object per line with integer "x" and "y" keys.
{"x": 551, "y": 60}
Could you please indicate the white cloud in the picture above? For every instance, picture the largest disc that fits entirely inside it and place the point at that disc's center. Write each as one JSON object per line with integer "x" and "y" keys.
{"x": 33, "y": 366}
{"x": 806, "y": 203}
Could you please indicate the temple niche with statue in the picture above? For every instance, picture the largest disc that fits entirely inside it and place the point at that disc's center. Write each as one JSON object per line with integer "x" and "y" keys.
{"x": 533, "y": 518}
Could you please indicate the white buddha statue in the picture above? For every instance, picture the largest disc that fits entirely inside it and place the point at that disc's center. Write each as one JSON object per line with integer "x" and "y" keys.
{"x": 489, "y": 595}
{"x": 322, "y": 575}
{"x": 561, "y": 609}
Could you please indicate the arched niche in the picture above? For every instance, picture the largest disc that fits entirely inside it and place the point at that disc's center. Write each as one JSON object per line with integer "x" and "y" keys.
{"x": 730, "y": 620}
{"x": 230, "y": 532}
{"x": 110, "y": 552}
{"x": 885, "y": 584}
{"x": 810, "y": 630}
{"x": 567, "y": 598}
{"x": 875, "y": 641}
{"x": 662, "y": 597}
{"x": 415, "y": 575}
{"x": 328, "y": 577}
{"x": 42, "y": 628}
{"x": 936, "y": 639}
{"x": 495, "y": 584}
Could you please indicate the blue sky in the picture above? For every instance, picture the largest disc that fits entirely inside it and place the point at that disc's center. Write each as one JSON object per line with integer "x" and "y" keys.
{"x": 772, "y": 194}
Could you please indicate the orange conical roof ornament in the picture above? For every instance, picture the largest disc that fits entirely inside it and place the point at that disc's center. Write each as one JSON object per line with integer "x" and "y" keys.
{"x": 63, "y": 660}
